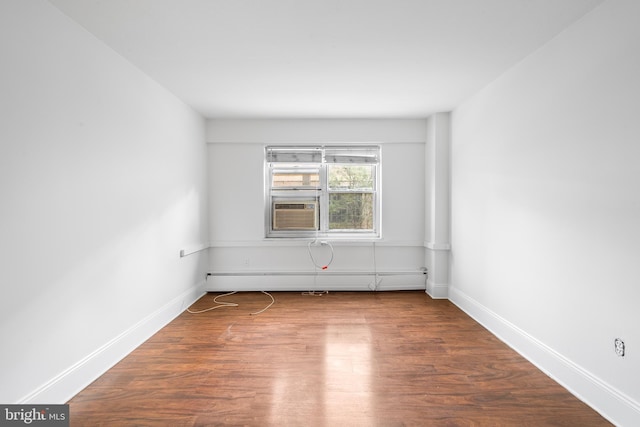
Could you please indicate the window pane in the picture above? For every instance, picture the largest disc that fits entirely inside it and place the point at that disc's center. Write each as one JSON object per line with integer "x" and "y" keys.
{"x": 347, "y": 177}
{"x": 296, "y": 179}
{"x": 351, "y": 211}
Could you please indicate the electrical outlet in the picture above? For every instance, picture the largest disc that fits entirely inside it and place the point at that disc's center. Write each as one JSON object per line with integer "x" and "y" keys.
{"x": 619, "y": 347}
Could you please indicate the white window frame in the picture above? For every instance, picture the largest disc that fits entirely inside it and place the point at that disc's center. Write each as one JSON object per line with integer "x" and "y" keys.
{"x": 305, "y": 158}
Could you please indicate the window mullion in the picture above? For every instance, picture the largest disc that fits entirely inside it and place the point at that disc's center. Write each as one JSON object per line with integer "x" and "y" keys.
{"x": 324, "y": 199}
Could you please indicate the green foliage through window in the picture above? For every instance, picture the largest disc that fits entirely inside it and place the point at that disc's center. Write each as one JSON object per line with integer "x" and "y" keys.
{"x": 351, "y": 211}
{"x": 347, "y": 177}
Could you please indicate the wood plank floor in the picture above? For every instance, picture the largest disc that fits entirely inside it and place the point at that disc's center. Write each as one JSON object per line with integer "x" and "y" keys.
{"x": 340, "y": 359}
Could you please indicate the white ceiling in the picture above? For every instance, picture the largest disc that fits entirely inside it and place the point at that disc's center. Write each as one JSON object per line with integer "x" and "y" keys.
{"x": 324, "y": 58}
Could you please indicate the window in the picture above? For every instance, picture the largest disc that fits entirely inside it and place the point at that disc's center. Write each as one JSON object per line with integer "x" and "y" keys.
{"x": 329, "y": 191}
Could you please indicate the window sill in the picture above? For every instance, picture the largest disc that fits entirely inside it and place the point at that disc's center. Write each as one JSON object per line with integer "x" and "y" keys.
{"x": 347, "y": 237}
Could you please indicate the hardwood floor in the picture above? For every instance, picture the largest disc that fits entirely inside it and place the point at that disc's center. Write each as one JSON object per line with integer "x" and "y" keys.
{"x": 340, "y": 359}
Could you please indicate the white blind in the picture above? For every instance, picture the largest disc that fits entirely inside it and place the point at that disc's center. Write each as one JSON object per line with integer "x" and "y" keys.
{"x": 294, "y": 155}
{"x": 368, "y": 155}
{"x": 342, "y": 154}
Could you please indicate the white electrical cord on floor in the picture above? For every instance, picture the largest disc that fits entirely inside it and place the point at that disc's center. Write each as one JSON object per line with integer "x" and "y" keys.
{"x": 220, "y": 304}
{"x": 232, "y": 304}
{"x": 270, "y": 304}
{"x": 315, "y": 293}
{"x": 316, "y": 266}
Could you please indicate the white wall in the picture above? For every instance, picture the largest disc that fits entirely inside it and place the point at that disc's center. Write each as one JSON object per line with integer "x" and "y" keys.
{"x": 236, "y": 194}
{"x": 438, "y": 204}
{"x": 102, "y": 177}
{"x": 546, "y": 207}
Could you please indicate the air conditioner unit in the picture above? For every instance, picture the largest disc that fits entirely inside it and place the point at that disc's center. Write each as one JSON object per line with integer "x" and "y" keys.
{"x": 295, "y": 215}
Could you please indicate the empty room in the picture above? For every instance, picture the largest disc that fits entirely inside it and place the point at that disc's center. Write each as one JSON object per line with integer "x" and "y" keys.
{"x": 320, "y": 212}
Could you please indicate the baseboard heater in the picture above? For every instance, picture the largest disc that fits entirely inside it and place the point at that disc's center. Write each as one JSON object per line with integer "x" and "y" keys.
{"x": 224, "y": 281}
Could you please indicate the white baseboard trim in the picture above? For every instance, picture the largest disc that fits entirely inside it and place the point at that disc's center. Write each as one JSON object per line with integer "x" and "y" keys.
{"x": 308, "y": 282}
{"x": 68, "y": 383}
{"x": 612, "y": 404}
{"x": 437, "y": 290}
{"x": 319, "y": 288}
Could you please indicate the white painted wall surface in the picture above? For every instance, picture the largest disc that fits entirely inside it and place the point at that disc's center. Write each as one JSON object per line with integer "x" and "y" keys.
{"x": 236, "y": 194}
{"x": 546, "y": 207}
{"x": 102, "y": 178}
{"x": 438, "y": 203}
